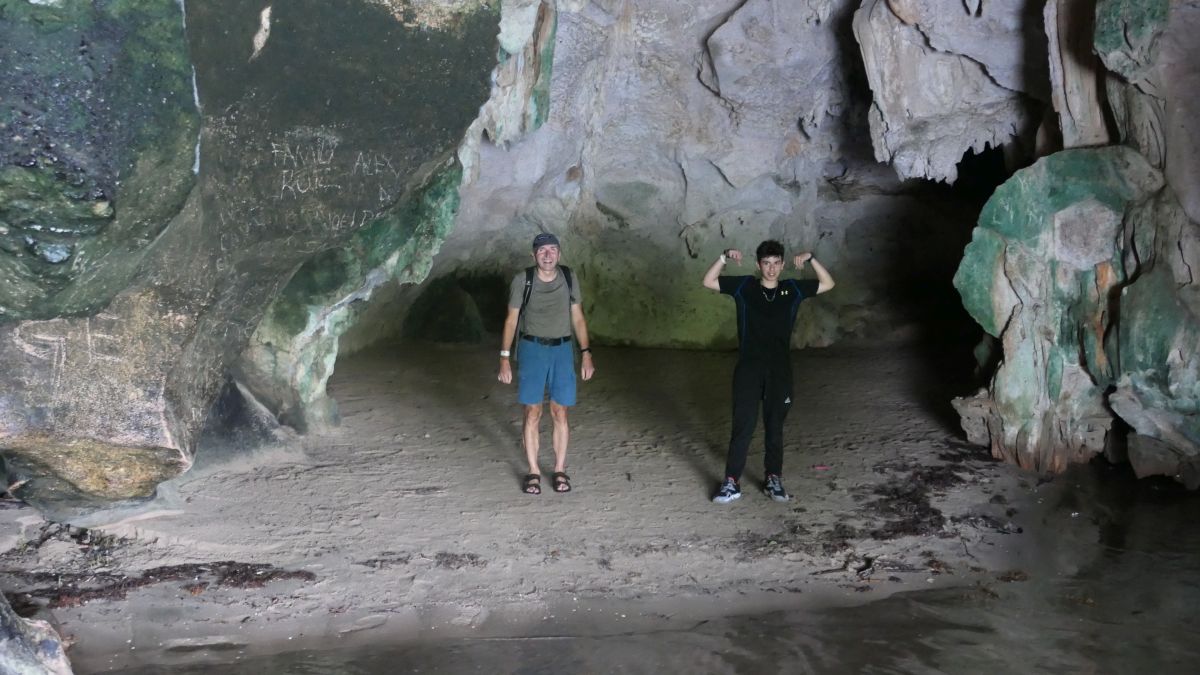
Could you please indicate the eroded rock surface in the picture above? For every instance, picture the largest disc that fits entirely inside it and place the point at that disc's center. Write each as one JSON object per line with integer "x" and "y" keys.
{"x": 675, "y": 130}
{"x": 292, "y": 353}
{"x": 30, "y": 647}
{"x": 1039, "y": 274}
{"x": 341, "y": 145}
{"x": 947, "y": 79}
{"x": 1075, "y": 73}
{"x": 98, "y": 133}
{"x": 1158, "y": 393}
{"x": 1100, "y": 314}
{"x": 318, "y": 121}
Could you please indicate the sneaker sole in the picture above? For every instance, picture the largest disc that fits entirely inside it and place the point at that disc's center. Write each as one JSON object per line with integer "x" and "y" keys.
{"x": 777, "y": 498}
{"x": 726, "y": 500}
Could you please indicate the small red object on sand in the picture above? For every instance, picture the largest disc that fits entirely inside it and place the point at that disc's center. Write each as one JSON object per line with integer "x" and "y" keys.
{"x": 819, "y": 467}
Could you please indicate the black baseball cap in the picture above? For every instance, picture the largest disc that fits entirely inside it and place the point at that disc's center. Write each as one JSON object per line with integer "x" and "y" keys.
{"x": 544, "y": 239}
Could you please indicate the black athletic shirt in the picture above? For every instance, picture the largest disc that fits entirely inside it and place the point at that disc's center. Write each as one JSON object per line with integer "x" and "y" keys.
{"x": 766, "y": 316}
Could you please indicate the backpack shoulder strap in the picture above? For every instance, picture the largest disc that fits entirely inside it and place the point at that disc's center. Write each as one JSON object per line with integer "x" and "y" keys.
{"x": 528, "y": 290}
{"x": 567, "y": 275}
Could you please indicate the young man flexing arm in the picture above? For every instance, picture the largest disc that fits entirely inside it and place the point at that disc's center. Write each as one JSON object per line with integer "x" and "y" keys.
{"x": 766, "y": 309}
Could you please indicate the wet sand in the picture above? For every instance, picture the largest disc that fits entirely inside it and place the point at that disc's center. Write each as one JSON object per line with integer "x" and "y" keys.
{"x": 407, "y": 523}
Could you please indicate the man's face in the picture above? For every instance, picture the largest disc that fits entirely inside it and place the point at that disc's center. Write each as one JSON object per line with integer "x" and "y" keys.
{"x": 546, "y": 257}
{"x": 771, "y": 267}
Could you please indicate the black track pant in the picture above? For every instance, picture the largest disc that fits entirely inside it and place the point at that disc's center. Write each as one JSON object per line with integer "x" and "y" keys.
{"x": 770, "y": 384}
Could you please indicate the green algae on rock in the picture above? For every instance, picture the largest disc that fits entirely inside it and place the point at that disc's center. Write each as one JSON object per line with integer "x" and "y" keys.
{"x": 1040, "y": 273}
{"x": 292, "y": 353}
{"x": 311, "y": 135}
{"x": 98, "y": 129}
{"x": 1127, "y": 33}
{"x": 1158, "y": 394}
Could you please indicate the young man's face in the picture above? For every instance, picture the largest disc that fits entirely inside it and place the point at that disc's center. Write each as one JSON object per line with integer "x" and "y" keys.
{"x": 546, "y": 257}
{"x": 770, "y": 267}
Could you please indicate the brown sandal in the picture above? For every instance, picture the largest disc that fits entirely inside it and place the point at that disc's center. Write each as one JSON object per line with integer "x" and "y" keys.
{"x": 532, "y": 484}
{"x": 561, "y": 482}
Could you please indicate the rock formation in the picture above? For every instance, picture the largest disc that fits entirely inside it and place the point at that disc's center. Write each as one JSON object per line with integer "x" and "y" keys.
{"x": 292, "y": 353}
{"x": 306, "y": 144}
{"x": 1041, "y": 273}
{"x": 1074, "y": 73}
{"x": 29, "y": 646}
{"x": 676, "y": 130}
{"x": 1083, "y": 265}
{"x": 948, "y": 78}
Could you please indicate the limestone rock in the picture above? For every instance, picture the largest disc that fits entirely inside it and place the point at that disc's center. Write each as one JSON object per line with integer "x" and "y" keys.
{"x": 1155, "y": 59}
{"x": 747, "y": 54}
{"x": 1179, "y": 71}
{"x": 1158, "y": 394}
{"x": 678, "y": 129}
{"x": 945, "y": 82}
{"x": 98, "y": 409}
{"x": 1074, "y": 73}
{"x": 98, "y": 134}
{"x": 291, "y": 355}
{"x": 1039, "y": 274}
{"x": 1151, "y": 457}
{"x": 1005, "y": 39}
{"x": 1127, "y": 33}
{"x": 1139, "y": 118}
{"x": 29, "y": 646}
{"x": 520, "y": 97}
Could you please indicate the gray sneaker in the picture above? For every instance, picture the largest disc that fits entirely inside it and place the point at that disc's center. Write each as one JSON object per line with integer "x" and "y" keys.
{"x": 728, "y": 492}
{"x": 773, "y": 488}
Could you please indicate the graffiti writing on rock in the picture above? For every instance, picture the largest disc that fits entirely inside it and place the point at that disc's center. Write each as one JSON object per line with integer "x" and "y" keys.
{"x": 356, "y": 219}
{"x": 374, "y": 163}
{"x": 317, "y": 152}
{"x": 297, "y": 182}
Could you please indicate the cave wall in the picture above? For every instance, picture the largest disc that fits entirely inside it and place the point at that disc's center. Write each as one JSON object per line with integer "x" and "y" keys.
{"x": 676, "y": 130}
{"x": 317, "y": 122}
{"x": 292, "y": 353}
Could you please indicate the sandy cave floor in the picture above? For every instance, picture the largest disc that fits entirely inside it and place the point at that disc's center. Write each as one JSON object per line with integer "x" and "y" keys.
{"x": 408, "y": 521}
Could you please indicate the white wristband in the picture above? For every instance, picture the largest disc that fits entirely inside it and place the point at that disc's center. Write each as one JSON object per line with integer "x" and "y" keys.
{"x": 722, "y": 257}
{"x": 505, "y": 353}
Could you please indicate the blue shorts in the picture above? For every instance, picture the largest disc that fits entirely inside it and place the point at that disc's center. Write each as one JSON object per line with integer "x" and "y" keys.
{"x": 539, "y": 366}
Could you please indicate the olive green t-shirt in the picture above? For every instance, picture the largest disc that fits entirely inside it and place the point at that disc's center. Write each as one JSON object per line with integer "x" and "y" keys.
{"x": 548, "y": 313}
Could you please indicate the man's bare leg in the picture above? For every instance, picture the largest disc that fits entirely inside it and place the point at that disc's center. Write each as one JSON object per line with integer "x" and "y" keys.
{"x": 529, "y": 434}
{"x": 562, "y": 434}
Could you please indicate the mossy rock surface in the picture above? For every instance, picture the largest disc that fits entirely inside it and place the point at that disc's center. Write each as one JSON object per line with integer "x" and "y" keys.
{"x": 325, "y": 128}
{"x": 1127, "y": 32}
{"x": 98, "y": 129}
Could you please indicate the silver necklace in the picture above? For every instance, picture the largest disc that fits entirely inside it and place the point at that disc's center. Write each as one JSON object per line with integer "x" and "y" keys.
{"x": 770, "y": 298}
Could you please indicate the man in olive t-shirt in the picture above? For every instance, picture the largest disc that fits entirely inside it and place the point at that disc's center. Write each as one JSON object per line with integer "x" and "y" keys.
{"x": 545, "y": 358}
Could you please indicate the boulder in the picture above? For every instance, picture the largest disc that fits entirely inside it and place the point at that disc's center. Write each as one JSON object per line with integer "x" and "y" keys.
{"x": 29, "y": 646}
